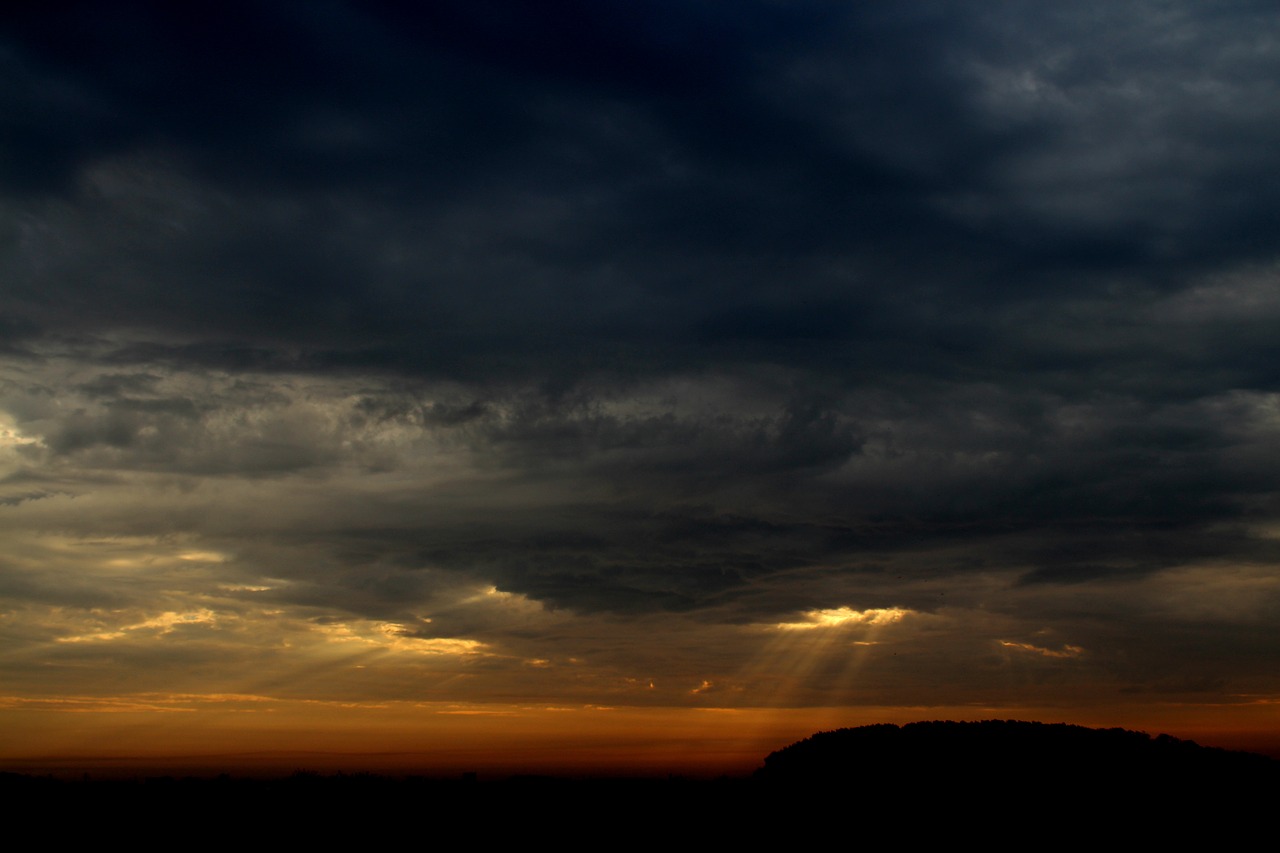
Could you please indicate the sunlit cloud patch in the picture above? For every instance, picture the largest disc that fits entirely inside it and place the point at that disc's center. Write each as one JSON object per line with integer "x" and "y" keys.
{"x": 845, "y": 617}
{"x": 159, "y": 625}
{"x": 394, "y": 637}
{"x": 1067, "y": 651}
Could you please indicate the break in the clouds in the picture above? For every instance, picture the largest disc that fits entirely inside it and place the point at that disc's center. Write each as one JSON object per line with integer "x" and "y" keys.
{"x": 644, "y": 353}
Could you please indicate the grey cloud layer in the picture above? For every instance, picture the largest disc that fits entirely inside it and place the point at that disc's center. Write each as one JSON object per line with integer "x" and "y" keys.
{"x": 657, "y": 309}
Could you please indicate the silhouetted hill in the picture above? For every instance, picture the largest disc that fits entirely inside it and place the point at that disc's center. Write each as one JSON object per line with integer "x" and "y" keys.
{"x": 1023, "y": 762}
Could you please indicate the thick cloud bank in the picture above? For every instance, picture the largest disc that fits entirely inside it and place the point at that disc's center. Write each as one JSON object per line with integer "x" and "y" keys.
{"x": 672, "y": 353}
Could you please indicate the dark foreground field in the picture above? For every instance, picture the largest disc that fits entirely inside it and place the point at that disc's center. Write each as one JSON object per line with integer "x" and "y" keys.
{"x": 1003, "y": 782}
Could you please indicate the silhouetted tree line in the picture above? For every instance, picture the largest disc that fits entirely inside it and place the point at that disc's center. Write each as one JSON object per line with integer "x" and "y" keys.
{"x": 1029, "y": 765}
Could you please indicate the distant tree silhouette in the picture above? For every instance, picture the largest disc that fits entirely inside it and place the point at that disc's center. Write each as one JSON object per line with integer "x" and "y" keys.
{"x": 1018, "y": 763}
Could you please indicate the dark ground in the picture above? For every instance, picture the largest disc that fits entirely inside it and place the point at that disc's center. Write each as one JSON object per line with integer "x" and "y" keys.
{"x": 1006, "y": 783}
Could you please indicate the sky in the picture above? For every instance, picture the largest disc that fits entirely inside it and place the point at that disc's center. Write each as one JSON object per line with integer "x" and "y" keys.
{"x": 463, "y": 385}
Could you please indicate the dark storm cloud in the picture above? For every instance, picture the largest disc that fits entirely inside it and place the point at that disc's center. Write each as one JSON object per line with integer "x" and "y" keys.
{"x": 505, "y": 194}
{"x": 710, "y": 296}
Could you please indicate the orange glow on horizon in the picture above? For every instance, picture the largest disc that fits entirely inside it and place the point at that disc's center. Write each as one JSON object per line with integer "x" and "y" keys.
{"x": 250, "y": 734}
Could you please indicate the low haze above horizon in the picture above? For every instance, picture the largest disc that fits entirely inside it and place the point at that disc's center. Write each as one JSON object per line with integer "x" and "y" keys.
{"x": 635, "y": 385}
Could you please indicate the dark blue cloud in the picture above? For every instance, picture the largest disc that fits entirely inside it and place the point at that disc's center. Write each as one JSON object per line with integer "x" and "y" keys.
{"x": 983, "y": 275}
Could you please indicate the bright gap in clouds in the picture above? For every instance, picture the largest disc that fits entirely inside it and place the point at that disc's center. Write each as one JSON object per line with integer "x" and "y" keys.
{"x": 845, "y": 616}
{"x": 815, "y": 660}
